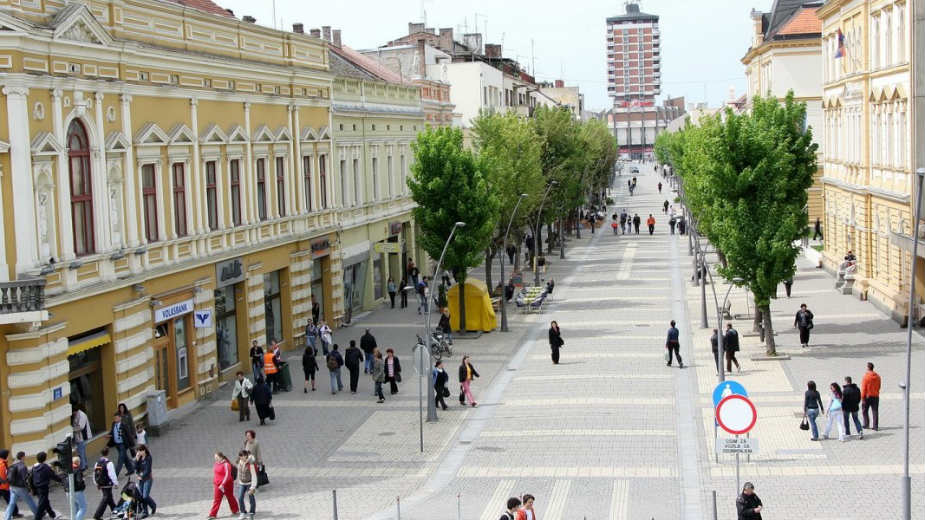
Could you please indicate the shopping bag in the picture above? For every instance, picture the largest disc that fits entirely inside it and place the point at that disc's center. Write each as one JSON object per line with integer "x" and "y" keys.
{"x": 234, "y": 405}
{"x": 262, "y": 479}
{"x": 804, "y": 424}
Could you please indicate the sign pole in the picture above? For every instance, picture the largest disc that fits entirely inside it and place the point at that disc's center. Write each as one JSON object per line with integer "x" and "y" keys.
{"x": 737, "y": 472}
{"x": 715, "y": 436}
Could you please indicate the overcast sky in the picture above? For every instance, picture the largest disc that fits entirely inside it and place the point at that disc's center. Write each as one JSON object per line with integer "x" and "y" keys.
{"x": 702, "y": 40}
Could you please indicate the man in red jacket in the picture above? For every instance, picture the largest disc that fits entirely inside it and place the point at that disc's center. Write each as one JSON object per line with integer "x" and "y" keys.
{"x": 870, "y": 397}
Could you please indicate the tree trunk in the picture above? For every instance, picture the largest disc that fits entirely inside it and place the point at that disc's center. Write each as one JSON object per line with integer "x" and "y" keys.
{"x": 770, "y": 347}
{"x": 549, "y": 240}
{"x": 462, "y": 303}
{"x": 722, "y": 258}
{"x": 489, "y": 257}
{"x": 516, "y": 266}
{"x": 538, "y": 240}
{"x": 756, "y": 320}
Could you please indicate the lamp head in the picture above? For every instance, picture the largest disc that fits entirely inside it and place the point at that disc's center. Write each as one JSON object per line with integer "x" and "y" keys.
{"x": 553, "y": 183}
{"x": 460, "y": 224}
{"x": 522, "y": 195}
{"x": 737, "y": 280}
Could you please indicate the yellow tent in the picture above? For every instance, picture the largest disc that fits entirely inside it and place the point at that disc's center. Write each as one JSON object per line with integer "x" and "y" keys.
{"x": 479, "y": 313}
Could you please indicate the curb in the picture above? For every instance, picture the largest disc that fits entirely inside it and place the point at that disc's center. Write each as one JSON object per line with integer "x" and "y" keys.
{"x": 765, "y": 357}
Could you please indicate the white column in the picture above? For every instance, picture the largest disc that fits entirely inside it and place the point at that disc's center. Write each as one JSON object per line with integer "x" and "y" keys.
{"x": 298, "y": 169}
{"x": 249, "y": 174}
{"x": 294, "y": 168}
{"x": 198, "y": 194}
{"x": 130, "y": 195}
{"x": 63, "y": 183}
{"x": 21, "y": 177}
{"x": 4, "y": 268}
{"x": 100, "y": 180}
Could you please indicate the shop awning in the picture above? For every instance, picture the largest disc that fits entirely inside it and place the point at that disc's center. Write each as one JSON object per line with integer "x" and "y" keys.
{"x": 87, "y": 342}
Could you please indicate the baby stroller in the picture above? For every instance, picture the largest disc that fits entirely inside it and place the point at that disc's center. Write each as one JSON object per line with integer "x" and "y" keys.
{"x": 130, "y": 502}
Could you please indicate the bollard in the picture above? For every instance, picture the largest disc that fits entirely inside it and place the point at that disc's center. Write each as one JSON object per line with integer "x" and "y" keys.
{"x": 715, "y": 517}
{"x": 398, "y": 507}
{"x": 458, "y": 507}
{"x": 334, "y": 494}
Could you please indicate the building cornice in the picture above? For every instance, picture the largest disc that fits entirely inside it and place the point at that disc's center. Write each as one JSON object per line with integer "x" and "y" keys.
{"x": 814, "y": 42}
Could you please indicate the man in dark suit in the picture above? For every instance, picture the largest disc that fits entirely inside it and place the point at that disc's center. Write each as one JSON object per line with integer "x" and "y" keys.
{"x": 850, "y": 404}
{"x": 123, "y": 439}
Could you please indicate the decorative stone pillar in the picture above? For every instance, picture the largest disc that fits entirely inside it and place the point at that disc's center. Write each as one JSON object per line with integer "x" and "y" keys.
{"x": 21, "y": 177}
{"x": 63, "y": 184}
{"x": 299, "y": 170}
{"x": 198, "y": 193}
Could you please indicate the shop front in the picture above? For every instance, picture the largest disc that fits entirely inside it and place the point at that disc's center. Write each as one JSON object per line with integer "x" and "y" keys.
{"x": 355, "y": 267}
{"x": 321, "y": 280}
{"x": 85, "y": 375}
{"x": 230, "y": 310}
{"x": 174, "y": 362}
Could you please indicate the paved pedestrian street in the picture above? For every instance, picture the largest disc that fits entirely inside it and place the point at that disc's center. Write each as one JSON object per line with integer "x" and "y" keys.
{"x": 609, "y": 433}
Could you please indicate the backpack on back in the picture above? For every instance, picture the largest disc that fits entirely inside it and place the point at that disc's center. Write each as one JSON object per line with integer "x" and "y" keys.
{"x": 101, "y": 474}
{"x": 234, "y": 471}
{"x": 332, "y": 362}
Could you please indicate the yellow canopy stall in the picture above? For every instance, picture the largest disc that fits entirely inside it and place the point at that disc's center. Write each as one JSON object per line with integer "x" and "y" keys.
{"x": 479, "y": 313}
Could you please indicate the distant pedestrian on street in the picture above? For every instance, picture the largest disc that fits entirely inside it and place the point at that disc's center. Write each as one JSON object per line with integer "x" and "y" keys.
{"x": 444, "y": 325}
{"x": 623, "y": 218}
{"x": 659, "y": 187}
{"x": 122, "y": 439}
{"x": 222, "y": 485}
{"x": 636, "y": 222}
{"x": 327, "y": 337}
{"x": 262, "y": 397}
{"x": 467, "y": 373}
{"x": 413, "y": 272}
{"x": 651, "y": 223}
{"x": 80, "y": 425}
{"x": 42, "y": 477}
{"x": 555, "y": 341}
{"x": 403, "y": 293}
{"x": 241, "y": 394}
{"x": 334, "y": 361}
{"x": 104, "y": 476}
{"x": 673, "y": 344}
{"x": 665, "y": 207}
{"x": 309, "y": 367}
{"x": 246, "y": 484}
{"x": 5, "y": 484}
{"x": 812, "y": 407}
{"x": 421, "y": 288}
{"x": 714, "y": 346}
{"x": 511, "y": 514}
{"x": 731, "y": 346}
{"x": 817, "y": 230}
{"x": 851, "y": 400}
{"x": 368, "y": 345}
{"x": 748, "y": 505}
{"x": 145, "y": 465}
{"x": 671, "y": 224}
{"x": 511, "y": 253}
{"x": 870, "y": 397}
{"x": 352, "y": 359}
{"x": 311, "y": 335}
{"x": 788, "y": 286}
{"x": 390, "y": 286}
{"x": 256, "y": 354}
{"x": 80, "y": 486}
{"x": 392, "y": 370}
{"x": 527, "y": 512}
{"x": 378, "y": 375}
{"x": 682, "y": 225}
{"x": 836, "y": 414}
{"x": 316, "y": 310}
{"x": 439, "y": 379}
{"x": 804, "y": 321}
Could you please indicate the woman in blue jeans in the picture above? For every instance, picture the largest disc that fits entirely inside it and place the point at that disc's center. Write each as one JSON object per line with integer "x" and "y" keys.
{"x": 812, "y": 407}
{"x": 246, "y": 485}
{"x": 144, "y": 464}
{"x": 80, "y": 485}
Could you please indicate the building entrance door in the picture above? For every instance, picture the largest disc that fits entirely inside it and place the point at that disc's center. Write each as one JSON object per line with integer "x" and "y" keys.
{"x": 163, "y": 370}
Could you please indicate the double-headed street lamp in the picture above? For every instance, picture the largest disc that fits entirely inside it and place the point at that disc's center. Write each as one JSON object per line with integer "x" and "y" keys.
{"x": 503, "y": 253}
{"x": 536, "y": 238}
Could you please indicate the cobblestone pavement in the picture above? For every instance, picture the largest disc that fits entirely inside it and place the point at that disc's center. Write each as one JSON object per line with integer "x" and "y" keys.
{"x": 609, "y": 433}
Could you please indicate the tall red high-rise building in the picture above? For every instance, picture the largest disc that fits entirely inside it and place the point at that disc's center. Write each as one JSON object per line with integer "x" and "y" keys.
{"x": 634, "y": 79}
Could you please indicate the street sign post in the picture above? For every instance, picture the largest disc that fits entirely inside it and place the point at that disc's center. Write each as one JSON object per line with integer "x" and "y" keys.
{"x": 737, "y": 415}
{"x": 725, "y": 389}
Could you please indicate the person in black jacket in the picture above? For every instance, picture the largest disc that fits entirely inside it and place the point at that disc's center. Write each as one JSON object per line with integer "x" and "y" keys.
{"x": 673, "y": 344}
{"x": 309, "y": 366}
{"x": 262, "y": 396}
{"x": 850, "y": 403}
{"x": 392, "y": 367}
{"x": 352, "y": 359}
{"x": 17, "y": 475}
{"x": 402, "y": 293}
{"x": 440, "y": 379}
{"x": 144, "y": 463}
{"x": 748, "y": 505}
{"x": 714, "y": 346}
{"x": 79, "y": 499}
{"x": 123, "y": 439}
{"x": 444, "y": 325}
{"x": 555, "y": 341}
{"x": 368, "y": 345}
{"x": 731, "y": 346}
{"x": 804, "y": 322}
{"x": 42, "y": 476}
{"x": 467, "y": 373}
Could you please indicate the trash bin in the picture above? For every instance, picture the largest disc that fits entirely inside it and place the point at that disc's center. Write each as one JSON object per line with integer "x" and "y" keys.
{"x": 285, "y": 378}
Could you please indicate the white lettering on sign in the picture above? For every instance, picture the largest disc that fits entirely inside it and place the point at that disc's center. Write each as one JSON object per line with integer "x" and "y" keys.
{"x": 172, "y": 311}
{"x": 736, "y": 445}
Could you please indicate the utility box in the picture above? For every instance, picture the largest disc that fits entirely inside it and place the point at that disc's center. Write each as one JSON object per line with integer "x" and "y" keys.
{"x": 157, "y": 411}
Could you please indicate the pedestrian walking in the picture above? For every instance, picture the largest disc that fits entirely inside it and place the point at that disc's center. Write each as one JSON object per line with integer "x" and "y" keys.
{"x": 673, "y": 345}
{"x": 665, "y": 207}
{"x": 5, "y": 482}
{"x": 439, "y": 378}
{"x": 748, "y": 505}
{"x": 731, "y": 346}
{"x": 413, "y": 272}
{"x": 812, "y": 407}
{"x": 835, "y": 413}
{"x": 368, "y": 345}
{"x": 309, "y": 368}
{"x": 271, "y": 370}
{"x": 378, "y": 375}
{"x": 817, "y": 229}
{"x": 334, "y": 361}
{"x": 788, "y": 286}
{"x": 421, "y": 288}
{"x": 79, "y": 500}
{"x": 671, "y": 224}
{"x": 682, "y": 225}
{"x": 316, "y": 310}
{"x": 651, "y": 223}
{"x": 444, "y": 325}
{"x": 511, "y": 253}
{"x": 42, "y": 477}
{"x": 122, "y": 439}
{"x": 141, "y": 436}
{"x": 555, "y": 341}
{"x": 80, "y": 426}
{"x": 127, "y": 420}
{"x": 145, "y": 465}
{"x": 311, "y": 335}
{"x": 467, "y": 373}
{"x": 623, "y": 217}
{"x": 256, "y": 354}
{"x": 18, "y": 476}
{"x": 660, "y": 188}
{"x": 390, "y": 287}
{"x": 851, "y": 400}
{"x": 804, "y": 321}
{"x": 327, "y": 337}
{"x": 262, "y": 396}
{"x": 511, "y": 514}
{"x": 870, "y": 398}
{"x": 222, "y": 485}
{"x": 105, "y": 478}
{"x": 615, "y": 225}
{"x": 527, "y": 512}
{"x": 636, "y": 222}
{"x": 246, "y": 483}
{"x": 392, "y": 370}
{"x": 352, "y": 359}
{"x": 714, "y": 346}
{"x": 241, "y": 394}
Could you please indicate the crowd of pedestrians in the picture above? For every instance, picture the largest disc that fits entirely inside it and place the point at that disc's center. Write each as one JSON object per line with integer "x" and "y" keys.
{"x": 844, "y": 404}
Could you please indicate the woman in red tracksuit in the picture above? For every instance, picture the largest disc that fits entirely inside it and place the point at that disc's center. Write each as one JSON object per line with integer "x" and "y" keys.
{"x": 223, "y": 485}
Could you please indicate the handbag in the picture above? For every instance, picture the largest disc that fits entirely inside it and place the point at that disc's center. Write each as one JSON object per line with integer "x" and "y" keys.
{"x": 398, "y": 377}
{"x": 667, "y": 355}
{"x": 234, "y": 405}
{"x": 262, "y": 478}
{"x": 804, "y": 424}
{"x": 446, "y": 392}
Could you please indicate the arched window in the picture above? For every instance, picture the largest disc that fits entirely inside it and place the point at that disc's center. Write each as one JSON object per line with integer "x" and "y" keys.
{"x": 78, "y": 151}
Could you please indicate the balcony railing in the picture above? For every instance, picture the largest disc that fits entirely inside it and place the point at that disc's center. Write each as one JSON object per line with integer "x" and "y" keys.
{"x": 22, "y": 296}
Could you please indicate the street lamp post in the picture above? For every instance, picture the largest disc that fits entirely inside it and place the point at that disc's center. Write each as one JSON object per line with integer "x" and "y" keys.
{"x": 431, "y": 402}
{"x": 536, "y": 238}
{"x": 503, "y": 253}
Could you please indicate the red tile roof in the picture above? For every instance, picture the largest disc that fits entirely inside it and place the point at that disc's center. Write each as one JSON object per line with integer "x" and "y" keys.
{"x": 207, "y": 6}
{"x": 368, "y": 64}
{"x": 804, "y": 21}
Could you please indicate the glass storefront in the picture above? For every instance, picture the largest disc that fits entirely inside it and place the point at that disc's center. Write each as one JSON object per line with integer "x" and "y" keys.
{"x": 226, "y": 335}
{"x": 355, "y": 284}
{"x": 378, "y": 277}
{"x": 273, "y": 307}
{"x": 174, "y": 364}
{"x": 86, "y": 380}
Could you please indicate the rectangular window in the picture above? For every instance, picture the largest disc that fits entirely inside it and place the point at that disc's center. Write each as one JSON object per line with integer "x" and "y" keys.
{"x": 81, "y": 204}
{"x": 389, "y": 172}
{"x": 183, "y": 358}
{"x": 307, "y": 181}
{"x": 404, "y": 180}
{"x": 149, "y": 197}
{"x": 343, "y": 183}
{"x": 375, "y": 175}
{"x": 226, "y": 334}
{"x": 235, "y": 176}
{"x": 261, "y": 189}
{"x": 211, "y": 196}
{"x": 281, "y": 185}
{"x": 356, "y": 182}
{"x": 179, "y": 200}
{"x": 323, "y": 181}
{"x": 272, "y": 306}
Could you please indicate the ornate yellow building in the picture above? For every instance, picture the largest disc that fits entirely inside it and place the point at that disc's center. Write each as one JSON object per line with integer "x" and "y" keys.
{"x": 166, "y": 174}
{"x": 868, "y": 176}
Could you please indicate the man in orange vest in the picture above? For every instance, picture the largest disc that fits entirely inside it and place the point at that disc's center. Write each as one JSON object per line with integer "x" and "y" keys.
{"x": 270, "y": 369}
{"x": 651, "y": 223}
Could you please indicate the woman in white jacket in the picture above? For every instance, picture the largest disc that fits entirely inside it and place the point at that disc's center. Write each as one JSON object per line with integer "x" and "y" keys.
{"x": 835, "y": 413}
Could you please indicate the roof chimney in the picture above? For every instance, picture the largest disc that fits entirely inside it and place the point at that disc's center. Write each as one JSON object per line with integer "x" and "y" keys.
{"x": 560, "y": 83}
{"x": 422, "y": 58}
{"x": 249, "y": 19}
{"x": 492, "y": 50}
{"x": 326, "y": 32}
{"x": 336, "y": 41}
{"x": 315, "y": 33}
{"x": 298, "y": 28}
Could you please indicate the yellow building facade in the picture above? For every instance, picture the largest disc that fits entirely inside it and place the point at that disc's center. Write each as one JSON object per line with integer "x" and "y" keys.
{"x": 868, "y": 157}
{"x": 167, "y": 174}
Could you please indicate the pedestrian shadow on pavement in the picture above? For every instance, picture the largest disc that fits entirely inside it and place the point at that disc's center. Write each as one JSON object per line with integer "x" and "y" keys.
{"x": 869, "y": 327}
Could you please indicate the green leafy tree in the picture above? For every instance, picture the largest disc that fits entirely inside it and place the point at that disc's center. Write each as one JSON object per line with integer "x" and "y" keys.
{"x": 563, "y": 161}
{"x": 511, "y": 146}
{"x": 449, "y": 185}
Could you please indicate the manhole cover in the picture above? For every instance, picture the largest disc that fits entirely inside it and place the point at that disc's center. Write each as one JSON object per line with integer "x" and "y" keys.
{"x": 386, "y": 434}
